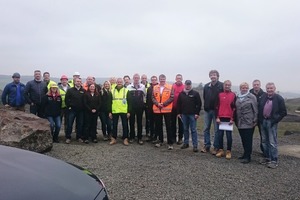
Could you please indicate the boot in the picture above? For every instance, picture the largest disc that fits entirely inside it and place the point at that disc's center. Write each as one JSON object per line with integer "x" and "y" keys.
{"x": 220, "y": 153}
{"x": 125, "y": 142}
{"x": 113, "y": 141}
{"x": 228, "y": 154}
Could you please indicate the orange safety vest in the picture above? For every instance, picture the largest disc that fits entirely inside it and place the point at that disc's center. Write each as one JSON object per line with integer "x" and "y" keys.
{"x": 161, "y": 98}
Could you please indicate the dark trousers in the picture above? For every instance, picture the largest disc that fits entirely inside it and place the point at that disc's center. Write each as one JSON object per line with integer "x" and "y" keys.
{"x": 159, "y": 127}
{"x": 37, "y": 109}
{"x": 64, "y": 116}
{"x": 138, "y": 114}
{"x": 151, "y": 118}
{"x": 124, "y": 124}
{"x": 147, "y": 120}
{"x": 247, "y": 140}
{"x": 228, "y": 138}
{"x": 90, "y": 125}
{"x": 259, "y": 130}
{"x": 174, "y": 122}
{"x": 105, "y": 123}
{"x": 79, "y": 115}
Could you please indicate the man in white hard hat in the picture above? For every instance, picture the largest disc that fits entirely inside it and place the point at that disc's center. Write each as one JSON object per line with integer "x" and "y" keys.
{"x": 75, "y": 76}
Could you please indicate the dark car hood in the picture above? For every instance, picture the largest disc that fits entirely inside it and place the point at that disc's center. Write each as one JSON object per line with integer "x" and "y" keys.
{"x": 29, "y": 175}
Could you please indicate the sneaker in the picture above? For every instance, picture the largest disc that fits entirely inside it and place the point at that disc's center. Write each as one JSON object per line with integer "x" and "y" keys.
{"x": 113, "y": 141}
{"x": 214, "y": 151}
{"x": 155, "y": 141}
{"x": 80, "y": 140}
{"x": 264, "y": 161}
{"x": 205, "y": 149}
{"x": 184, "y": 146}
{"x": 125, "y": 142}
{"x": 105, "y": 138}
{"x": 195, "y": 149}
{"x": 86, "y": 141}
{"x": 68, "y": 141}
{"x": 179, "y": 141}
{"x": 95, "y": 140}
{"x": 158, "y": 145}
{"x": 131, "y": 140}
{"x": 220, "y": 153}
{"x": 140, "y": 142}
{"x": 228, "y": 154}
{"x": 272, "y": 165}
{"x": 170, "y": 147}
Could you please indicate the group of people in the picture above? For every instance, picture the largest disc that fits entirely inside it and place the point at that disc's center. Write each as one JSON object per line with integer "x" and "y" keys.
{"x": 177, "y": 104}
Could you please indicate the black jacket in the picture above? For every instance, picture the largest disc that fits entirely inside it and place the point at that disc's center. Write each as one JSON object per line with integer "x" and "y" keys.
{"x": 106, "y": 98}
{"x": 74, "y": 99}
{"x": 35, "y": 91}
{"x": 278, "y": 108}
{"x": 51, "y": 106}
{"x": 149, "y": 101}
{"x": 189, "y": 103}
{"x": 211, "y": 94}
{"x": 258, "y": 95}
{"x": 92, "y": 102}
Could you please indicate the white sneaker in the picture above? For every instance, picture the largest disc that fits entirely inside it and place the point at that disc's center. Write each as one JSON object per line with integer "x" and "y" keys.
{"x": 68, "y": 141}
{"x": 158, "y": 145}
{"x": 170, "y": 147}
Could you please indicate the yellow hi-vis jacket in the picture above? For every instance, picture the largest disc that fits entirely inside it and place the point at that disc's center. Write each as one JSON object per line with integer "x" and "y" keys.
{"x": 119, "y": 100}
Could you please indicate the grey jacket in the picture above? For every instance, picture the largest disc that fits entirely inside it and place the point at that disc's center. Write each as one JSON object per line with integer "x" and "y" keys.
{"x": 246, "y": 112}
{"x": 35, "y": 91}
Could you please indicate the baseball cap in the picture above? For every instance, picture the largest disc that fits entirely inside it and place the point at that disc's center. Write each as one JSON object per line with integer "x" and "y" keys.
{"x": 188, "y": 82}
{"x": 16, "y": 75}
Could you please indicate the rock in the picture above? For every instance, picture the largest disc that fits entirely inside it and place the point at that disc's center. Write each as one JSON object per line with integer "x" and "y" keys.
{"x": 24, "y": 130}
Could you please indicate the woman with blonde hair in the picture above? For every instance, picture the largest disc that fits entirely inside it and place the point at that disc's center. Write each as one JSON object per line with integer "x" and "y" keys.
{"x": 51, "y": 104}
{"x": 246, "y": 119}
{"x": 106, "y": 97}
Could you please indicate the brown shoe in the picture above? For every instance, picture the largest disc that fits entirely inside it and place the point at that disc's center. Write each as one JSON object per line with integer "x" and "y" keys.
{"x": 113, "y": 141}
{"x": 220, "y": 153}
{"x": 125, "y": 142}
{"x": 228, "y": 154}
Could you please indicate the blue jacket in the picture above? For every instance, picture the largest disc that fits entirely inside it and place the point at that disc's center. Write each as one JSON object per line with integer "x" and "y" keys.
{"x": 9, "y": 95}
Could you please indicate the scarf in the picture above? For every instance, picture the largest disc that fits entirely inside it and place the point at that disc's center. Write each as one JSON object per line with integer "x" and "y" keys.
{"x": 242, "y": 96}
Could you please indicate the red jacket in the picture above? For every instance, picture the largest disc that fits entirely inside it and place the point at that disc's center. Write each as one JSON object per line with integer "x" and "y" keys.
{"x": 177, "y": 89}
{"x": 226, "y": 105}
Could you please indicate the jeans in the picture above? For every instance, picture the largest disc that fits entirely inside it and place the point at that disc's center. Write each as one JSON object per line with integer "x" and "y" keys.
{"x": 269, "y": 140}
{"x": 64, "y": 116}
{"x": 189, "y": 121}
{"x": 151, "y": 118}
{"x": 79, "y": 115}
{"x": 247, "y": 141}
{"x": 210, "y": 117}
{"x": 55, "y": 124}
{"x": 124, "y": 125}
{"x": 159, "y": 127}
{"x": 174, "y": 121}
{"x": 105, "y": 123}
{"x": 221, "y": 140}
{"x": 138, "y": 113}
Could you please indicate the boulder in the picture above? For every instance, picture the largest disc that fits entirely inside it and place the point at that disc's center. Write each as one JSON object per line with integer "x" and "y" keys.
{"x": 24, "y": 130}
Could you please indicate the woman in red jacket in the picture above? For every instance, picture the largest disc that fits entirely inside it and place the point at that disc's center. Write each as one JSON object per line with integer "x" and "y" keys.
{"x": 225, "y": 112}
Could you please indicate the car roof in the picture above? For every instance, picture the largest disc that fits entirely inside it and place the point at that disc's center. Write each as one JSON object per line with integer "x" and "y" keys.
{"x": 29, "y": 175}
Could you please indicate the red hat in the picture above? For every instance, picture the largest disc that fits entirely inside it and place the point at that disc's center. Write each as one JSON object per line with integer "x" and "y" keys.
{"x": 63, "y": 77}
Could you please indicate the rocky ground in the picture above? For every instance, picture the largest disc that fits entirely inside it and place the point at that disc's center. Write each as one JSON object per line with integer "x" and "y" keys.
{"x": 144, "y": 172}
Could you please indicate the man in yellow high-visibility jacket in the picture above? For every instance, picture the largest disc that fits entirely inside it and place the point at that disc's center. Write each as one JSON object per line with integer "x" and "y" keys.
{"x": 120, "y": 107}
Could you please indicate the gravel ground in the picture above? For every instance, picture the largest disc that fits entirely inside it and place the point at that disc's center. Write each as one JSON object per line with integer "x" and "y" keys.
{"x": 144, "y": 172}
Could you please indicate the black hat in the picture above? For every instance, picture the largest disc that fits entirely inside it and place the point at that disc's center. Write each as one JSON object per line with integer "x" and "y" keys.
{"x": 16, "y": 75}
{"x": 188, "y": 82}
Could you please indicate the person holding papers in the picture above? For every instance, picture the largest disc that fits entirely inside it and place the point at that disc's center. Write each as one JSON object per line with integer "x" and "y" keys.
{"x": 225, "y": 109}
{"x": 246, "y": 119}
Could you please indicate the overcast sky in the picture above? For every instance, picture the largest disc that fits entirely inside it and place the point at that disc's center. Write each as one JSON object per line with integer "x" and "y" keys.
{"x": 243, "y": 40}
